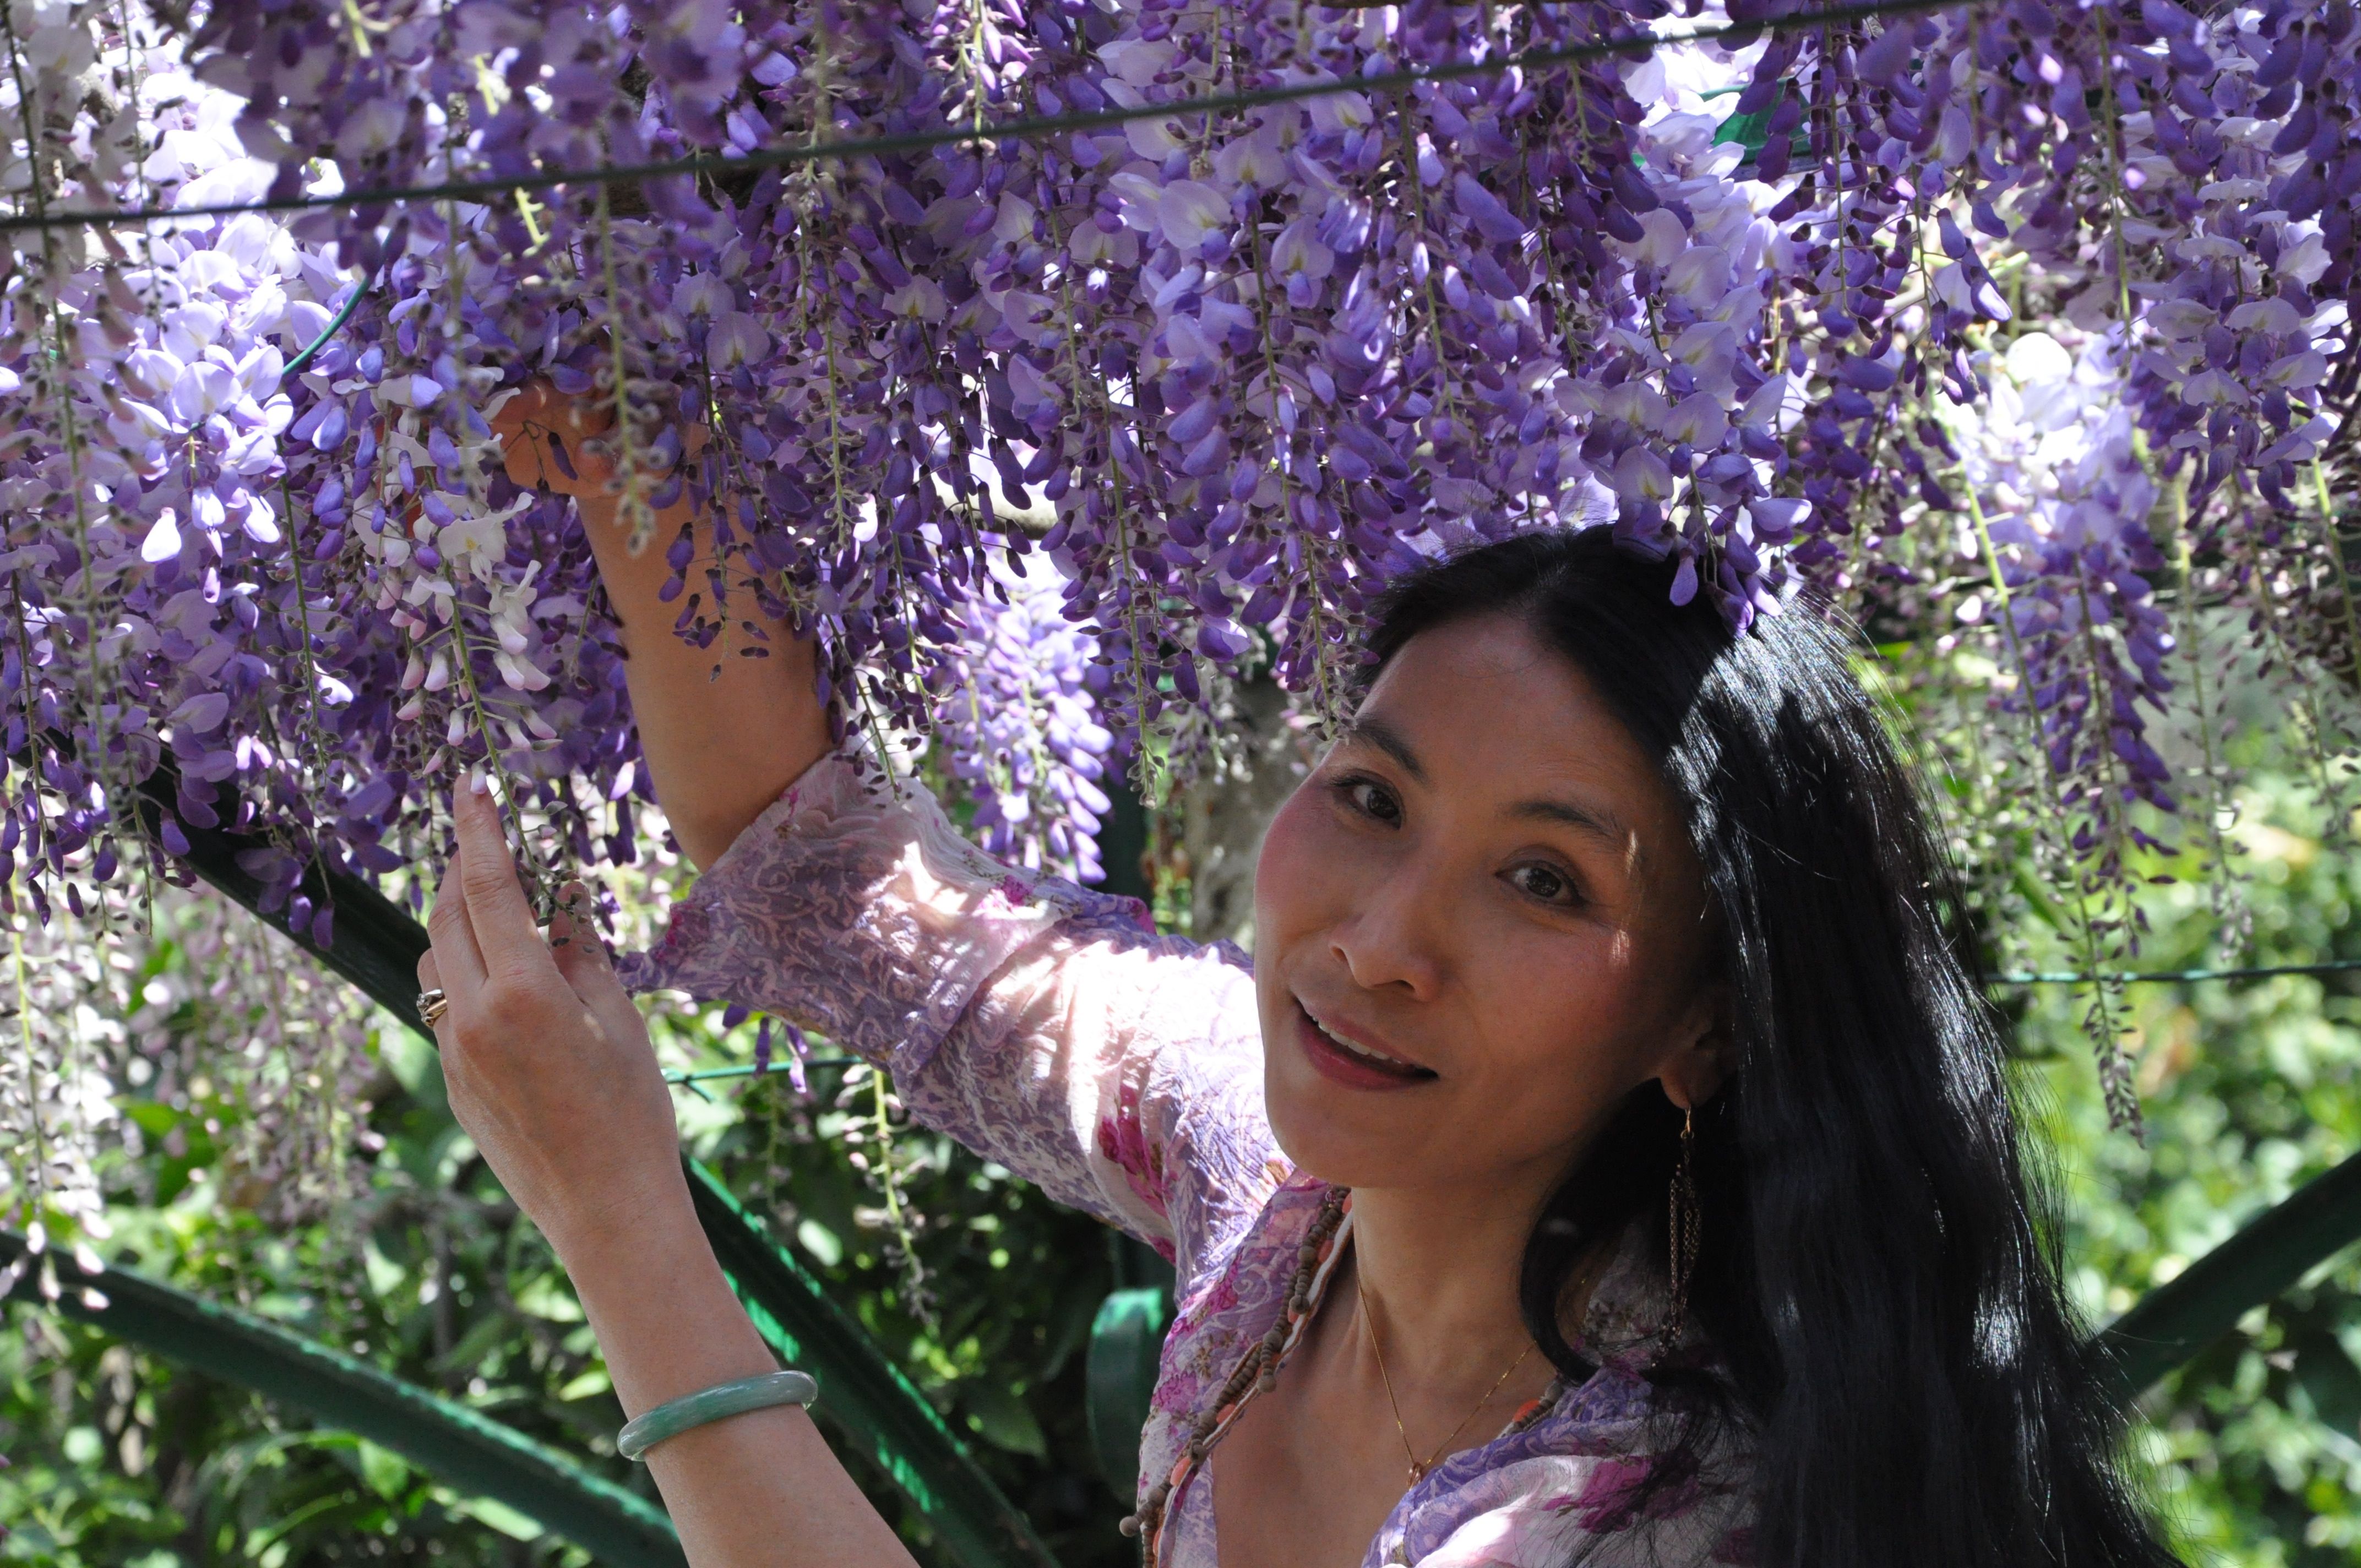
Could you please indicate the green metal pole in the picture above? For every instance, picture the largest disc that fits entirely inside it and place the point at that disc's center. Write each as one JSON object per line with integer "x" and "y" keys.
{"x": 463, "y": 1448}
{"x": 2172, "y": 1323}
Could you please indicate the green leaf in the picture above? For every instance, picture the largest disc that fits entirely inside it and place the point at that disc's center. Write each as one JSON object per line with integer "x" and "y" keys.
{"x": 1127, "y": 1343}
{"x": 486, "y": 1334}
{"x": 821, "y": 1241}
{"x": 501, "y": 1518}
{"x": 550, "y": 1296}
{"x": 384, "y": 1471}
{"x": 1000, "y": 1416}
{"x": 151, "y": 1118}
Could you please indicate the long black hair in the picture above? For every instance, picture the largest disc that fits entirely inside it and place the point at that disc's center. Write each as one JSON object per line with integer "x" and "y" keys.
{"x": 1875, "y": 1271}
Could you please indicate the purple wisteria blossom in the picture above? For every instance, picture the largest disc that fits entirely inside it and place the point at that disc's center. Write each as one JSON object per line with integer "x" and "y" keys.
{"x": 2061, "y": 505}
{"x": 1216, "y": 376}
{"x": 1020, "y": 725}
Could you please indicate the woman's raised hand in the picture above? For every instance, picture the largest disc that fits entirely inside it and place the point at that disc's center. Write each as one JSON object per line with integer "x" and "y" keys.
{"x": 723, "y": 731}
{"x": 548, "y": 1062}
{"x": 538, "y": 418}
{"x": 559, "y": 443}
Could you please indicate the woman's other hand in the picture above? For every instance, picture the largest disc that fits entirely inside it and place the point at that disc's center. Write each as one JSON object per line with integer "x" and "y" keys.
{"x": 548, "y": 440}
{"x": 725, "y": 724}
{"x": 548, "y": 1062}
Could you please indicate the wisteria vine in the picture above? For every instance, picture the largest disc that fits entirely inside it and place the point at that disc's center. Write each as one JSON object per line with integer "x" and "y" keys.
{"x": 1049, "y": 438}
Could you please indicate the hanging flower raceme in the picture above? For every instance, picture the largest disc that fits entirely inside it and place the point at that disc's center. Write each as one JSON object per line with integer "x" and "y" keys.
{"x": 1020, "y": 725}
{"x": 2062, "y": 497}
{"x": 1233, "y": 369}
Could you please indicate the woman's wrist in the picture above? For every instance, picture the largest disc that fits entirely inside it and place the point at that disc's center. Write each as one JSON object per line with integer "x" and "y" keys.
{"x": 662, "y": 1308}
{"x": 621, "y": 1217}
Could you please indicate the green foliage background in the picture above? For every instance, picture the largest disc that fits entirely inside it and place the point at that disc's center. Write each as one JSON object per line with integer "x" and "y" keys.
{"x": 118, "y": 1461}
{"x": 2249, "y": 1090}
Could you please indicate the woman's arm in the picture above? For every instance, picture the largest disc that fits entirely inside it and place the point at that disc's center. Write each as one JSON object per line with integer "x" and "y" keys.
{"x": 1044, "y": 1028}
{"x": 550, "y": 1073}
{"x": 720, "y": 745}
{"x": 1047, "y": 1028}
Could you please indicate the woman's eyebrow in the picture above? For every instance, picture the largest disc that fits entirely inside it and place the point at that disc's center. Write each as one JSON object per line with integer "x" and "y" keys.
{"x": 1377, "y": 733}
{"x": 1600, "y": 821}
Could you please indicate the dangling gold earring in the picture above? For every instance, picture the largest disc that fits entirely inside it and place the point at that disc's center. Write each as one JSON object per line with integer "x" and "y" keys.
{"x": 1682, "y": 1221}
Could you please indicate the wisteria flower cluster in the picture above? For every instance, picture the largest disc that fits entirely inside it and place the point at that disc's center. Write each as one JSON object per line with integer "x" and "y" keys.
{"x": 206, "y": 1037}
{"x": 1048, "y": 435}
{"x": 1019, "y": 723}
{"x": 2058, "y": 505}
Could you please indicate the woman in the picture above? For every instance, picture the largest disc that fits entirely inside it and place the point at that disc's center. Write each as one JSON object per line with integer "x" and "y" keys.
{"x": 1607, "y": 1157}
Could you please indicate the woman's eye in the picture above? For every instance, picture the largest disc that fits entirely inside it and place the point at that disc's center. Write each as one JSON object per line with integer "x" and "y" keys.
{"x": 1371, "y": 799}
{"x": 1544, "y": 882}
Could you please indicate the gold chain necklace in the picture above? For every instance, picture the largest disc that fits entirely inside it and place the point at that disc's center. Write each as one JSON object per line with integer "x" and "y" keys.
{"x": 1419, "y": 1467}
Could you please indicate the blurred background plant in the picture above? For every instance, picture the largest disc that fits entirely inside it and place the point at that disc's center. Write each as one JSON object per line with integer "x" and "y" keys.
{"x": 412, "y": 1257}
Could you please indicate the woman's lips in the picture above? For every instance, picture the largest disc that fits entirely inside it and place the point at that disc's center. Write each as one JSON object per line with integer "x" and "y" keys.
{"x": 1339, "y": 1064}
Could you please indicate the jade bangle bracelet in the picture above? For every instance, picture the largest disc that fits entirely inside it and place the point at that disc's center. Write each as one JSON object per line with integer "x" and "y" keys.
{"x": 675, "y": 1417}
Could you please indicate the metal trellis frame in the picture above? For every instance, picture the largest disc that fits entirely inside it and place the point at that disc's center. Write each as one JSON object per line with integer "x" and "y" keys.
{"x": 1032, "y": 128}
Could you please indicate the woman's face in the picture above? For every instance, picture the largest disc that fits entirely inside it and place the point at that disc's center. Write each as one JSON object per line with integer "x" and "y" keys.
{"x": 1477, "y": 924}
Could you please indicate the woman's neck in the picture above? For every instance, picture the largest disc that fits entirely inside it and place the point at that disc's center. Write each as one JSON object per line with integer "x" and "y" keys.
{"x": 1440, "y": 1268}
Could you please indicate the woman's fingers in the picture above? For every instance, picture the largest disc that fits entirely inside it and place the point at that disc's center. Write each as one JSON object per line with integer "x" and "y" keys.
{"x": 582, "y": 958}
{"x": 522, "y": 424}
{"x": 498, "y": 913}
{"x": 537, "y": 418}
{"x": 526, "y": 405}
{"x": 539, "y": 404}
{"x": 574, "y": 939}
{"x": 458, "y": 964}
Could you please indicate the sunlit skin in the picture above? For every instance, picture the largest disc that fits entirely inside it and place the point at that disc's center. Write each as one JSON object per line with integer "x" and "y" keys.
{"x": 1487, "y": 879}
{"x": 1485, "y": 882}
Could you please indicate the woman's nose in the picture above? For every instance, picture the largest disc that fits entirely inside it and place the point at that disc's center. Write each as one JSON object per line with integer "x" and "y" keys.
{"x": 1393, "y": 938}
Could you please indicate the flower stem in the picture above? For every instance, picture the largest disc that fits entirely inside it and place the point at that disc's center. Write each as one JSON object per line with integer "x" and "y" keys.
{"x": 2100, "y": 1021}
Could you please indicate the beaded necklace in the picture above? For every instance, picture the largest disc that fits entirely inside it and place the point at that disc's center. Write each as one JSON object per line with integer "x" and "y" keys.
{"x": 1257, "y": 1371}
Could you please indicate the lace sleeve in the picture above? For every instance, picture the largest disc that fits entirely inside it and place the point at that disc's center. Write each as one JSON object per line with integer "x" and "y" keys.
{"x": 1044, "y": 1026}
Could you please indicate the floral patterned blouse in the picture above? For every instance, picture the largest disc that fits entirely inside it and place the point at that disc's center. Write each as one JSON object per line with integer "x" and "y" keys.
{"x": 1052, "y": 1030}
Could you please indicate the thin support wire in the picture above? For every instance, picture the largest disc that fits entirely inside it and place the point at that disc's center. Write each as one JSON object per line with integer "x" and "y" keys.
{"x": 1029, "y": 128}
{"x": 2259, "y": 972}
